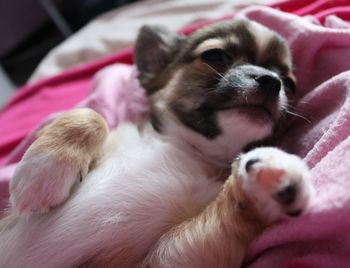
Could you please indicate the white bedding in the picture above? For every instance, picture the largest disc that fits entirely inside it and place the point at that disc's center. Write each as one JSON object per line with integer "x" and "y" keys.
{"x": 117, "y": 29}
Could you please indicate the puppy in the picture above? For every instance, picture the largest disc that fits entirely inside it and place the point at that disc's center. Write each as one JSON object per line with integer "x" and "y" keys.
{"x": 167, "y": 192}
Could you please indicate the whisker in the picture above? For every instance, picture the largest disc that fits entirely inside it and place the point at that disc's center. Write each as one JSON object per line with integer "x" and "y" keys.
{"x": 219, "y": 74}
{"x": 300, "y": 110}
{"x": 301, "y": 101}
{"x": 298, "y": 115}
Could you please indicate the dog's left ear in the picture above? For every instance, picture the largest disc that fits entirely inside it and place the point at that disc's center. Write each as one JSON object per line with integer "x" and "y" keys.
{"x": 155, "y": 48}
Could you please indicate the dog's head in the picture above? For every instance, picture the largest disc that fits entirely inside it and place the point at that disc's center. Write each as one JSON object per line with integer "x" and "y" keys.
{"x": 219, "y": 89}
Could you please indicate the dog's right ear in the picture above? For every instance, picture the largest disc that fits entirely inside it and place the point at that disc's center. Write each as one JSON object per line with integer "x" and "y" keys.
{"x": 155, "y": 48}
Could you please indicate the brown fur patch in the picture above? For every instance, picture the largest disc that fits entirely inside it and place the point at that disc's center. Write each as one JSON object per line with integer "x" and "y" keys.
{"x": 71, "y": 143}
{"x": 80, "y": 129}
{"x": 218, "y": 237}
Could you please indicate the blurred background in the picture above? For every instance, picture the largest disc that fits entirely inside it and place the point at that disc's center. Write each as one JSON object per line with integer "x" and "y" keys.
{"x": 41, "y": 38}
{"x": 29, "y": 29}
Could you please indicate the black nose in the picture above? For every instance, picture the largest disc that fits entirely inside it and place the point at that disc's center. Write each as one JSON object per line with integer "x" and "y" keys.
{"x": 269, "y": 83}
{"x": 287, "y": 195}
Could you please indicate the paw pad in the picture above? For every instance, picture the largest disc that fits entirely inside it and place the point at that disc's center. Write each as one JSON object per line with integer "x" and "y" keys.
{"x": 277, "y": 182}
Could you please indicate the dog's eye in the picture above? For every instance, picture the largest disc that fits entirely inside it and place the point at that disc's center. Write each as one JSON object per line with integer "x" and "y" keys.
{"x": 289, "y": 84}
{"x": 214, "y": 56}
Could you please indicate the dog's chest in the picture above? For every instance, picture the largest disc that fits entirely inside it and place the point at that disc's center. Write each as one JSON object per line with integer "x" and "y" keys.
{"x": 139, "y": 191}
{"x": 148, "y": 179}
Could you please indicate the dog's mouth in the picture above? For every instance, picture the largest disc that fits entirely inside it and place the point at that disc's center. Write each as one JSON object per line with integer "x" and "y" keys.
{"x": 255, "y": 112}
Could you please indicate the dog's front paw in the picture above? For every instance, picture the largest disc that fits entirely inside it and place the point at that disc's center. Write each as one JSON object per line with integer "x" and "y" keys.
{"x": 43, "y": 180}
{"x": 277, "y": 182}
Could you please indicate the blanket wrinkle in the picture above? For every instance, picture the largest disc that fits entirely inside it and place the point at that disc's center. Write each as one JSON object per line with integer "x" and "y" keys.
{"x": 321, "y": 232}
{"x": 322, "y": 60}
{"x": 327, "y": 111}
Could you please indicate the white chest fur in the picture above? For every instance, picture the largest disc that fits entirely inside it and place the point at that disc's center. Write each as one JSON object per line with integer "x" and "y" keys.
{"x": 143, "y": 186}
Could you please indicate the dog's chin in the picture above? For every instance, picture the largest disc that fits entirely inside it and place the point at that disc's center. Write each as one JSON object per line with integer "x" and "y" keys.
{"x": 238, "y": 128}
{"x": 242, "y": 126}
{"x": 256, "y": 114}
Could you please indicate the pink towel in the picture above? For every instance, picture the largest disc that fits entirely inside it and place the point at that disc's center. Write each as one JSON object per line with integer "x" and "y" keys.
{"x": 322, "y": 58}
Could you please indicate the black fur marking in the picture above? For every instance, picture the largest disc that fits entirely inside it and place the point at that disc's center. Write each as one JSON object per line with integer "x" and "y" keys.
{"x": 203, "y": 121}
{"x": 156, "y": 122}
{"x": 276, "y": 51}
{"x": 155, "y": 48}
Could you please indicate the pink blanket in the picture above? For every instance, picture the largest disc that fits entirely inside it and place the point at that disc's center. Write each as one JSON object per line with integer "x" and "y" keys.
{"x": 322, "y": 58}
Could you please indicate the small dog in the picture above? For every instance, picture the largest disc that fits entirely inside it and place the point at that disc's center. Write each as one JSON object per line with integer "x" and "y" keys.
{"x": 165, "y": 193}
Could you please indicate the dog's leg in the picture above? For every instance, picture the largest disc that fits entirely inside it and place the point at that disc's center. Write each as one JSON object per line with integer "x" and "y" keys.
{"x": 265, "y": 185}
{"x": 59, "y": 157}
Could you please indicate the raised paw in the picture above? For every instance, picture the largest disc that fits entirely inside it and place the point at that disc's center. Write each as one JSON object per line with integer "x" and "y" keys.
{"x": 57, "y": 160}
{"x": 42, "y": 180}
{"x": 277, "y": 182}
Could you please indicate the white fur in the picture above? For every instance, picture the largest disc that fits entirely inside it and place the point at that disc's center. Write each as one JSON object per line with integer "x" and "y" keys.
{"x": 47, "y": 182}
{"x": 213, "y": 43}
{"x": 237, "y": 131}
{"x": 126, "y": 203}
{"x": 134, "y": 195}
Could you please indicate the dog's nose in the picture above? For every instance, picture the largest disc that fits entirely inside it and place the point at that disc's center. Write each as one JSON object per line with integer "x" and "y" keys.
{"x": 269, "y": 83}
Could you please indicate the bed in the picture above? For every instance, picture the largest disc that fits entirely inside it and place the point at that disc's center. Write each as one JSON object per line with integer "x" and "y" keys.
{"x": 93, "y": 69}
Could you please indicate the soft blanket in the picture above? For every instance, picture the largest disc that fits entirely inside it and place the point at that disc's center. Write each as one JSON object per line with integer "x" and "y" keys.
{"x": 322, "y": 62}
{"x": 321, "y": 136}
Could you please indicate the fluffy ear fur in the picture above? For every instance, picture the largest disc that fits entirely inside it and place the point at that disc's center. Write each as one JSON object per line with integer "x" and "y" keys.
{"x": 155, "y": 48}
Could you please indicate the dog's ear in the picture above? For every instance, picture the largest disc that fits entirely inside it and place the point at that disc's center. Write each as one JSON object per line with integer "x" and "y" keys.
{"x": 155, "y": 48}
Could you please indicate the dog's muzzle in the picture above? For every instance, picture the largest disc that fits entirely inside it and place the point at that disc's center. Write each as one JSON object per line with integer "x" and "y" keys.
{"x": 252, "y": 77}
